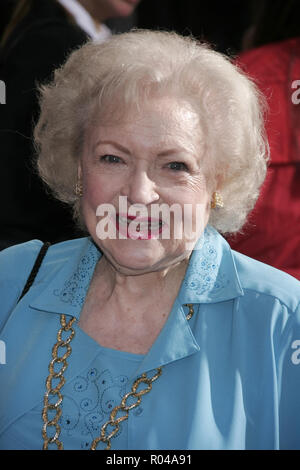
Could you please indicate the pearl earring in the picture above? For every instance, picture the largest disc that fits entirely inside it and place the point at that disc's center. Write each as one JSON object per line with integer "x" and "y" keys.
{"x": 217, "y": 200}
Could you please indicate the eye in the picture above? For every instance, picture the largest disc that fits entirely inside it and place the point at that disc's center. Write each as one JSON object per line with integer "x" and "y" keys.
{"x": 110, "y": 159}
{"x": 178, "y": 166}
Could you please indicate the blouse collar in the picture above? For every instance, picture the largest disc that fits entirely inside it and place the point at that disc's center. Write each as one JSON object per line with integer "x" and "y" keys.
{"x": 85, "y": 20}
{"x": 211, "y": 275}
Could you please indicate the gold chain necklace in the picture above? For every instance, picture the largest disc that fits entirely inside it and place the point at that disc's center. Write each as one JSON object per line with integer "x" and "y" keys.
{"x": 113, "y": 421}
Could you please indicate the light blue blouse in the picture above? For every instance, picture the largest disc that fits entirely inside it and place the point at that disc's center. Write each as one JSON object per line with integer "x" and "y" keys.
{"x": 230, "y": 375}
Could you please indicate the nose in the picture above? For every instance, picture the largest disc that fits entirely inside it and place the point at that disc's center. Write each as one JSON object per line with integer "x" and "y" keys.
{"x": 140, "y": 189}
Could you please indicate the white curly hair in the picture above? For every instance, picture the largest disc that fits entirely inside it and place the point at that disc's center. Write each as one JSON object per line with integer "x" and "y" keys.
{"x": 102, "y": 78}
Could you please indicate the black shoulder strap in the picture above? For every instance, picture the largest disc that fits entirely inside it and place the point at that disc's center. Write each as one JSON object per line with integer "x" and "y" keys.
{"x": 35, "y": 269}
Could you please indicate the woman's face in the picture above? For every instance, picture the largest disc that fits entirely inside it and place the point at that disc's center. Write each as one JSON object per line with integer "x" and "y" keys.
{"x": 149, "y": 158}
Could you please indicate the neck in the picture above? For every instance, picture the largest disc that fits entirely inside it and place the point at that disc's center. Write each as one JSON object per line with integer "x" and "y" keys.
{"x": 127, "y": 312}
{"x": 144, "y": 287}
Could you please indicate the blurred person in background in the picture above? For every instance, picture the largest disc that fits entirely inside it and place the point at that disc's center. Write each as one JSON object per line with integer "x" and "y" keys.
{"x": 272, "y": 59}
{"x": 36, "y": 40}
{"x": 6, "y": 9}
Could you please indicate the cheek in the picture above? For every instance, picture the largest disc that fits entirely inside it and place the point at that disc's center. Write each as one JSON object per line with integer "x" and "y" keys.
{"x": 188, "y": 222}
{"x": 96, "y": 191}
{"x": 194, "y": 203}
{"x": 196, "y": 208}
{"x": 187, "y": 193}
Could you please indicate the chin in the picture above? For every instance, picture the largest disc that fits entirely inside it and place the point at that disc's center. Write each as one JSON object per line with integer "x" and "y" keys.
{"x": 133, "y": 256}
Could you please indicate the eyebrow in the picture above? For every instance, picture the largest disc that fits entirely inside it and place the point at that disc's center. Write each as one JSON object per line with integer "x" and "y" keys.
{"x": 171, "y": 151}
{"x": 164, "y": 153}
{"x": 114, "y": 144}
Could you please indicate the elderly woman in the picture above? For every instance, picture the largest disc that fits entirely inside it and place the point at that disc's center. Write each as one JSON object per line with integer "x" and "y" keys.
{"x": 150, "y": 333}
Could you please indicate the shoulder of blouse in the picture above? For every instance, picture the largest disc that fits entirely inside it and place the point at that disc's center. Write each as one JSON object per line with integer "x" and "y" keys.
{"x": 263, "y": 279}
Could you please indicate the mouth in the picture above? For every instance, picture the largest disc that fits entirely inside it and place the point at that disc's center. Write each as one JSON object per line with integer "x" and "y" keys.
{"x": 139, "y": 227}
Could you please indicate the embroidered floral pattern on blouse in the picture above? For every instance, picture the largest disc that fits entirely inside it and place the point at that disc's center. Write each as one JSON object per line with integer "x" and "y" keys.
{"x": 88, "y": 402}
{"x": 75, "y": 288}
{"x": 204, "y": 275}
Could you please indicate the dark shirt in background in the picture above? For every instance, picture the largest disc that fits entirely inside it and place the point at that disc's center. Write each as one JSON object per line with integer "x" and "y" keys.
{"x": 40, "y": 43}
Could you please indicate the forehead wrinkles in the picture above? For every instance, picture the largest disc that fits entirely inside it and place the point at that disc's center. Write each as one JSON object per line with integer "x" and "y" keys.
{"x": 158, "y": 125}
{"x": 167, "y": 117}
{"x": 166, "y": 126}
